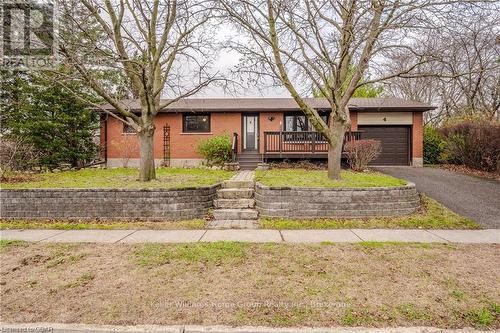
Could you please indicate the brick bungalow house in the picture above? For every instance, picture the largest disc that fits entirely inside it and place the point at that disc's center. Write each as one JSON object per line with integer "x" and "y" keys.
{"x": 266, "y": 129}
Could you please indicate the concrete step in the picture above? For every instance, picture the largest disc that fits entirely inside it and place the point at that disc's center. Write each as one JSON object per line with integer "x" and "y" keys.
{"x": 235, "y": 193}
{"x": 238, "y": 184}
{"x": 233, "y": 224}
{"x": 235, "y": 214}
{"x": 234, "y": 203}
{"x": 248, "y": 167}
{"x": 248, "y": 158}
{"x": 249, "y": 153}
{"x": 249, "y": 163}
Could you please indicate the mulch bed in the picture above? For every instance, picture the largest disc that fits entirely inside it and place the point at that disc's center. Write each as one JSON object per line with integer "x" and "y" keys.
{"x": 471, "y": 172}
{"x": 302, "y": 164}
{"x": 17, "y": 178}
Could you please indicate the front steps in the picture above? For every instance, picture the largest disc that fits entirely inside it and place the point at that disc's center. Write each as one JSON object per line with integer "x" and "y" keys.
{"x": 234, "y": 206}
{"x": 232, "y": 184}
{"x": 235, "y": 193}
{"x": 249, "y": 160}
{"x": 235, "y": 214}
{"x": 232, "y": 203}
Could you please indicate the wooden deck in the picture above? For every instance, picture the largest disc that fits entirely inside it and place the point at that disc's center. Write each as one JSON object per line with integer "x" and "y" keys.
{"x": 308, "y": 144}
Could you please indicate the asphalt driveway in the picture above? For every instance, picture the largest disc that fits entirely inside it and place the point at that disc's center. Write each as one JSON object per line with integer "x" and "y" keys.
{"x": 475, "y": 198}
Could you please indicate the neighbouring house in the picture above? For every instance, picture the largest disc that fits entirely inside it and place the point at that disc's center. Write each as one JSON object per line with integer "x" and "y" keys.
{"x": 266, "y": 129}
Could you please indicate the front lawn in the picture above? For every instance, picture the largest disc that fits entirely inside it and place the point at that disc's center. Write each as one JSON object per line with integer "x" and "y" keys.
{"x": 319, "y": 178}
{"x": 279, "y": 285}
{"x": 167, "y": 178}
{"x": 432, "y": 215}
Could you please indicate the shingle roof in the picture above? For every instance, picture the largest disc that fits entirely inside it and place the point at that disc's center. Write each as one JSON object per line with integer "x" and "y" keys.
{"x": 278, "y": 104}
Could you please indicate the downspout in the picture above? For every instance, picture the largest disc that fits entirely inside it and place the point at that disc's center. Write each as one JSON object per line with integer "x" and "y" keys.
{"x": 106, "y": 140}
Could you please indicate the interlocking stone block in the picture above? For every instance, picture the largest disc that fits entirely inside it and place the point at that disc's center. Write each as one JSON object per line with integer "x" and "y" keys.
{"x": 238, "y": 184}
{"x": 235, "y": 214}
{"x": 234, "y": 203}
{"x": 333, "y": 202}
{"x": 127, "y": 204}
{"x": 235, "y": 193}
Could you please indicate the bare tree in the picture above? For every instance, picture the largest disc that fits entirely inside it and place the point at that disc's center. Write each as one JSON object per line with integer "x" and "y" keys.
{"x": 328, "y": 44}
{"x": 17, "y": 155}
{"x": 159, "y": 47}
{"x": 464, "y": 76}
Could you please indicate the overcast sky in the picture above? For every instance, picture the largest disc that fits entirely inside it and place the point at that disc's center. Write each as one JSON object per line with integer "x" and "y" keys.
{"x": 227, "y": 60}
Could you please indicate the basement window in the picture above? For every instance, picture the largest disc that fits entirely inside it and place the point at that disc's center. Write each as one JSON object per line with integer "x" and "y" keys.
{"x": 196, "y": 123}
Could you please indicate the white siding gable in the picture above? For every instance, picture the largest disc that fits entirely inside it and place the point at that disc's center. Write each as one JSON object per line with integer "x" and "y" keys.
{"x": 385, "y": 118}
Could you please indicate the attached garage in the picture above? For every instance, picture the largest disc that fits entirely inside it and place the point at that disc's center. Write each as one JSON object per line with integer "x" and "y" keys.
{"x": 395, "y": 141}
{"x": 393, "y": 130}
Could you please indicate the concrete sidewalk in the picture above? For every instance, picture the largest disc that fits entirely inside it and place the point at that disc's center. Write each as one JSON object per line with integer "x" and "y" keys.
{"x": 80, "y": 328}
{"x": 487, "y": 236}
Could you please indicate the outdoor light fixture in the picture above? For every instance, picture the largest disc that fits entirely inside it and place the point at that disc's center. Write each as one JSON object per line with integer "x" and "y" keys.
{"x": 271, "y": 118}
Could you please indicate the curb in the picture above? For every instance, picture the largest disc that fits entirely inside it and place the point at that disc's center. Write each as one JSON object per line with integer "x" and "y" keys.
{"x": 77, "y": 328}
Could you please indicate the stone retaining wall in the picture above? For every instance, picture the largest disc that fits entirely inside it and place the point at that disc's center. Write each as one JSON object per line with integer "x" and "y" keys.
{"x": 297, "y": 202}
{"x": 107, "y": 204}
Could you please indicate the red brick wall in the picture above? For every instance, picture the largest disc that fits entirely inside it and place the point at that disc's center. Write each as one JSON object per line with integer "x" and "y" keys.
{"x": 267, "y": 125}
{"x": 120, "y": 144}
{"x": 354, "y": 120}
{"x": 418, "y": 135}
{"x": 183, "y": 145}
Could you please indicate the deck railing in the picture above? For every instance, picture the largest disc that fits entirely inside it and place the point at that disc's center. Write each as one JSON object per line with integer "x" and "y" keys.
{"x": 301, "y": 142}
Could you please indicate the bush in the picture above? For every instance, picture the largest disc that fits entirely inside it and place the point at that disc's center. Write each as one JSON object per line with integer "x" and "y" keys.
{"x": 473, "y": 143}
{"x": 361, "y": 152}
{"x": 16, "y": 155}
{"x": 216, "y": 150}
{"x": 434, "y": 145}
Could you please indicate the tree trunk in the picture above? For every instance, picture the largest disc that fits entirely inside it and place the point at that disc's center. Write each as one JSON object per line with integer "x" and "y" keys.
{"x": 147, "y": 160}
{"x": 335, "y": 149}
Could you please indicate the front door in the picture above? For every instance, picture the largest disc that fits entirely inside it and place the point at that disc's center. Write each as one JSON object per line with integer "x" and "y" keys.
{"x": 250, "y": 131}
